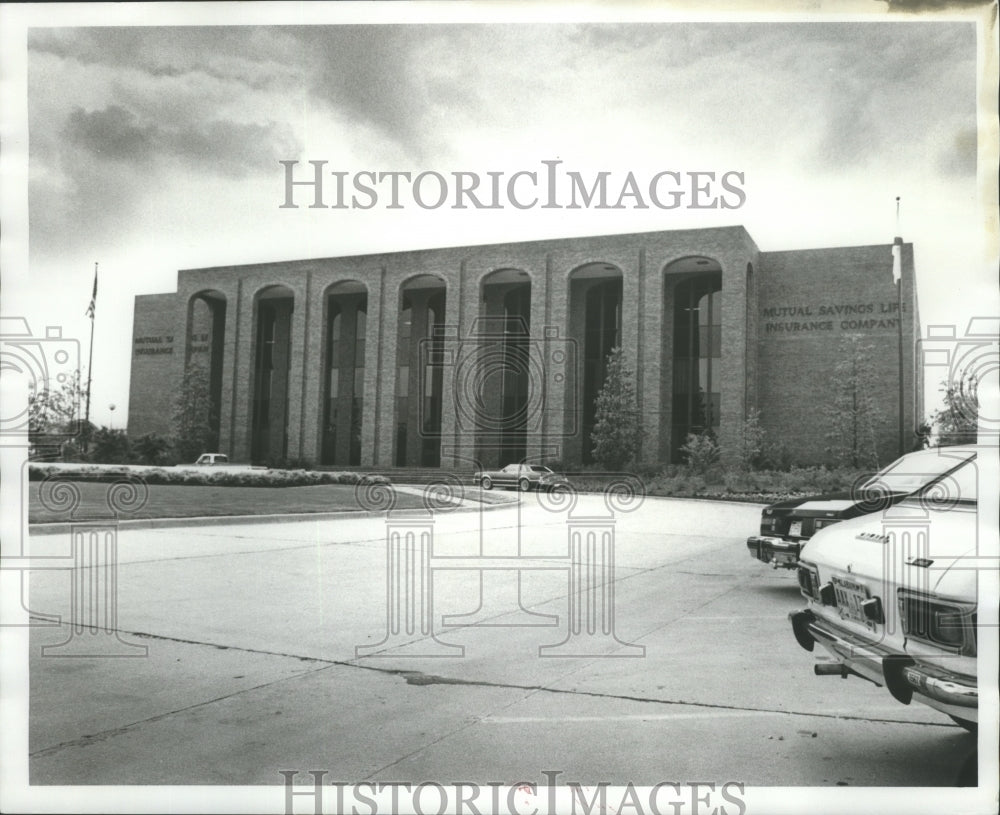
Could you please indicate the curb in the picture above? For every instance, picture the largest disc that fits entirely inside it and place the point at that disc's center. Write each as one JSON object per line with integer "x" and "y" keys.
{"x": 295, "y": 517}
{"x": 241, "y": 520}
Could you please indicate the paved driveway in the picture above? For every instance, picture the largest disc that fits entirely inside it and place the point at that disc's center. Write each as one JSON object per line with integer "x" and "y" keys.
{"x": 686, "y": 671}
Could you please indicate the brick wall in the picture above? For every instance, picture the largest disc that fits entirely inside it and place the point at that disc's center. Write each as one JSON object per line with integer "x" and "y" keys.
{"x": 157, "y": 362}
{"x": 784, "y": 372}
{"x": 809, "y": 301}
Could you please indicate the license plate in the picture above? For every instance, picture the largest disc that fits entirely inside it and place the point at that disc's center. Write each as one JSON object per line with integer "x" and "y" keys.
{"x": 795, "y": 528}
{"x": 850, "y": 595}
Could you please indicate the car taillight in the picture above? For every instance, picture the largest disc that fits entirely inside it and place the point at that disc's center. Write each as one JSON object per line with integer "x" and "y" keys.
{"x": 948, "y": 625}
{"x": 809, "y": 581}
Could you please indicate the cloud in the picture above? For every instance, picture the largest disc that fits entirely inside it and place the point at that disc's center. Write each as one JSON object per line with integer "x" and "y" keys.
{"x": 385, "y": 78}
{"x": 221, "y": 146}
{"x": 112, "y": 133}
{"x": 118, "y": 112}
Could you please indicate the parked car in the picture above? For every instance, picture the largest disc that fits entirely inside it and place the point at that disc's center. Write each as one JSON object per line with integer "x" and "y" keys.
{"x": 212, "y": 459}
{"x": 787, "y": 525}
{"x": 891, "y": 596}
{"x": 522, "y": 477}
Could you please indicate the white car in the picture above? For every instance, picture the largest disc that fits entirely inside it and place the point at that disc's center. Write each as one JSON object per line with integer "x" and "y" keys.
{"x": 212, "y": 460}
{"x": 892, "y": 596}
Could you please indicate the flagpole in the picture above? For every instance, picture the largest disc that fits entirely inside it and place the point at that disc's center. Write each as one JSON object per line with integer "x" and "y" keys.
{"x": 898, "y": 246}
{"x": 90, "y": 357}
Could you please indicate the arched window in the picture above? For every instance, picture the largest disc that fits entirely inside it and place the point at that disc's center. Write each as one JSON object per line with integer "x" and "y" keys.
{"x": 697, "y": 355}
{"x": 347, "y": 304}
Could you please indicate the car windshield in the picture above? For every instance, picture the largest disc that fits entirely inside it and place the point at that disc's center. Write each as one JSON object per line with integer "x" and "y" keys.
{"x": 912, "y": 472}
{"x": 536, "y": 469}
{"x": 961, "y": 487}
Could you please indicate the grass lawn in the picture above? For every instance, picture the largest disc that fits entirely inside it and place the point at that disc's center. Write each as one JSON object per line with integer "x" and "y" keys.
{"x": 170, "y": 501}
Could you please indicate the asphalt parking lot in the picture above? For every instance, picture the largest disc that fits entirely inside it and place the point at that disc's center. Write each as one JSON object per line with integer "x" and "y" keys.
{"x": 251, "y": 664}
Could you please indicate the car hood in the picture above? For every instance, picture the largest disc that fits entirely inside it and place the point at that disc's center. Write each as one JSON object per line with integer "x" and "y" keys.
{"x": 923, "y": 538}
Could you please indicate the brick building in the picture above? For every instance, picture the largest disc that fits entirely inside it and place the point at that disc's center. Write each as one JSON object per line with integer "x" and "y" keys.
{"x": 489, "y": 354}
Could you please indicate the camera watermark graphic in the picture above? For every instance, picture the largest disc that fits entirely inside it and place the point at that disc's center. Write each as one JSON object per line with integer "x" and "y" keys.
{"x": 41, "y": 411}
{"x": 504, "y": 378}
{"x": 962, "y": 363}
{"x": 413, "y": 628}
{"x": 37, "y": 370}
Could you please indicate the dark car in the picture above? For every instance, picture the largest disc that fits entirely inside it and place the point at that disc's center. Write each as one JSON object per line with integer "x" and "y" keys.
{"x": 787, "y": 525}
{"x": 522, "y": 477}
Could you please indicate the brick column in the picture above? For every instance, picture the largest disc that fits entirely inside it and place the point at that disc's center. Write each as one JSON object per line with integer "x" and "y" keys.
{"x": 648, "y": 366}
{"x": 230, "y": 358}
{"x": 385, "y": 402}
{"x": 458, "y": 440}
{"x": 242, "y": 373}
{"x": 374, "y": 353}
{"x": 539, "y": 446}
{"x": 553, "y": 332}
{"x": 313, "y": 375}
{"x": 732, "y": 373}
{"x": 300, "y": 356}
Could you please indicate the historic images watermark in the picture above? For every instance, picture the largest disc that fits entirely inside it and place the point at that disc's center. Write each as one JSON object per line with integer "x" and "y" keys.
{"x": 41, "y": 368}
{"x": 550, "y": 188}
{"x": 309, "y": 791}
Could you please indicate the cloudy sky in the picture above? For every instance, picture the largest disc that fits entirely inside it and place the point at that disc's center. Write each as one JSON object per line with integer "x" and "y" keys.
{"x": 155, "y": 148}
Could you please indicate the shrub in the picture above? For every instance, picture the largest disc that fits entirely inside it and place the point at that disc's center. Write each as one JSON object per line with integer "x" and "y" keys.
{"x": 201, "y": 477}
{"x": 151, "y": 448}
{"x": 700, "y": 451}
{"x": 109, "y": 446}
{"x": 753, "y": 441}
{"x": 774, "y": 455}
{"x": 648, "y": 471}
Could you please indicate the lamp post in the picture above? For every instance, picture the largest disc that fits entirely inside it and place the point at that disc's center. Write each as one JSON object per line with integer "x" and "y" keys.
{"x": 111, "y": 407}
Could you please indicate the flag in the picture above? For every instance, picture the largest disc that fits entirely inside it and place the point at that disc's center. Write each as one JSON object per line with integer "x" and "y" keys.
{"x": 93, "y": 297}
{"x": 897, "y": 260}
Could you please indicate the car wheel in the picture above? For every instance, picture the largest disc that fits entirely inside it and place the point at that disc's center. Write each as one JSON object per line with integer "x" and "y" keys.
{"x": 487, "y": 483}
{"x": 972, "y": 727}
{"x": 524, "y": 485}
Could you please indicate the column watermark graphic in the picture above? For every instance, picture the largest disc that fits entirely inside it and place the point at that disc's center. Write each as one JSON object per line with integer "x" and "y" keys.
{"x": 412, "y": 628}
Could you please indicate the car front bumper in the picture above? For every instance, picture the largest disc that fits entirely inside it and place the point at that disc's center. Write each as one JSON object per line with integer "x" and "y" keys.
{"x": 775, "y": 551}
{"x": 950, "y": 692}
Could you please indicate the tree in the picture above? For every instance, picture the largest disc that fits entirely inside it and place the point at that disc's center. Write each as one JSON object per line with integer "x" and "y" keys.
{"x": 150, "y": 448}
{"x": 617, "y": 433}
{"x": 109, "y": 446}
{"x": 192, "y": 415}
{"x": 958, "y": 421}
{"x": 753, "y": 441}
{"x": 53, "y": 416}
{"x": 854, "y": 415}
